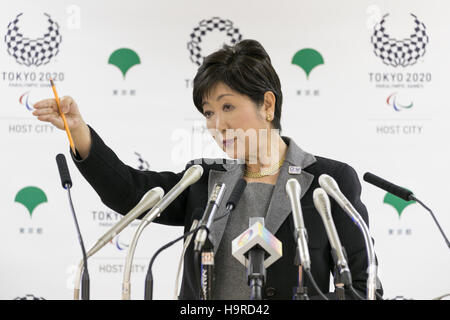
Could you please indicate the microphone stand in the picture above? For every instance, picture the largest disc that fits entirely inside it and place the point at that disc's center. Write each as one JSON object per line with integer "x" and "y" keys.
{"x": 341, "y": 276}
{"x": 300, "y": 292}
{"x": 66, "y": 182}
{"x": 412, "y": 197}
{"x": 372, "y": 268}
{"x": 206, "y": 278}
{"x": 256, "y": 273}
{"x": 339, "y": 284}
{"x": 85, "y": 282}
{"x": 207, "y": 270}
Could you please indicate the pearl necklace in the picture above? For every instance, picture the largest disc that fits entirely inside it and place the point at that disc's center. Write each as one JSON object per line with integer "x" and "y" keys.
{"x": 264, "y": 172}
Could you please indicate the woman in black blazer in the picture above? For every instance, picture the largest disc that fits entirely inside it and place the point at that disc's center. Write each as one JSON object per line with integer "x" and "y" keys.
{"x": 239, "y": 93}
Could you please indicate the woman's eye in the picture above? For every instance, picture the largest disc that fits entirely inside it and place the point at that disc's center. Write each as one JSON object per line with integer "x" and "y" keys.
{"x": 207, "y": 114}
{"x": 227, "y": 107}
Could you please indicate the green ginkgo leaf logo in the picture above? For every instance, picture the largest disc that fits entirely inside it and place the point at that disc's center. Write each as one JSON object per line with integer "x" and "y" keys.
{"x": 307, "y": 59}
{"x": 30, "y": 197}
{"x": 124, "y": 59}
{"x": 398, "y": 203}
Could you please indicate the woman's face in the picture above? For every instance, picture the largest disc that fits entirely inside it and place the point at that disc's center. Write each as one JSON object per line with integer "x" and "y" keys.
{"x": 235, "y": 122}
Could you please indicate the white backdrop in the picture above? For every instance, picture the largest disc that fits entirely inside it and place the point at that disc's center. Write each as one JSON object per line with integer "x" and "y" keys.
{"x": 344, "y": 109}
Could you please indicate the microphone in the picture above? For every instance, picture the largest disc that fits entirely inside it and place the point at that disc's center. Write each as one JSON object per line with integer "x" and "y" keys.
{"x": 206, "y": 276}
{"x": 208, "y": 216}
{"x": 343, "y": 275}
{"x": 64, "y": 174}
{"x": 197, "y": 215}
{"x": 332, "y": 189}
{"x": 388, "y": 186}
{"x": 293, "y": 191}
{"x": 191, "y": 175}
{"x": 256, "y": 248}
{"x": 322, "y": 204}
{"x": 66, "y": 182}
{"x": 403, "y": 194}
{"x": 147, "y": 201}
{"x": 235, "y": 196}
{"x": 204, "y": 268}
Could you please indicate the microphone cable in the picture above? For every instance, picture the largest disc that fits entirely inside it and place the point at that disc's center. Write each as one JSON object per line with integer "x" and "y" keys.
{"x": 316, "y": 287}
{"x": 227, "y": 212}
{"x": 148, "y": 295}
{"x": 360, "y": 297}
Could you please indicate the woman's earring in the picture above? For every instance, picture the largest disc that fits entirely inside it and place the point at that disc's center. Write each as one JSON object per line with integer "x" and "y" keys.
{"x": 269, "y": 117}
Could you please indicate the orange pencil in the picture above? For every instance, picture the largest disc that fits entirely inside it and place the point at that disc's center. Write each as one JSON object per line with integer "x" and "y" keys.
{"x": 66, "y": 127}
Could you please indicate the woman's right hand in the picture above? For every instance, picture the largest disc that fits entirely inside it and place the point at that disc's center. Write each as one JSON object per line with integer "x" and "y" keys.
{"x": 47, "y": 111}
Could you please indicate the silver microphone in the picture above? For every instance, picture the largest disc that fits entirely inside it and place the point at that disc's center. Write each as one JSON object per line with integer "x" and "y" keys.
{"x": 332, "y": 188}
{"x": 149, "y": 199}
{"x": 208, "y": 216}
{"x": 322, "y": 204}
{"x": 293, "y": 191}
{"x": 191, "y": 176}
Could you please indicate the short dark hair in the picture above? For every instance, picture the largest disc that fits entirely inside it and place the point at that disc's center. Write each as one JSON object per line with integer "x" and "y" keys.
{"x": 245, "y": 68}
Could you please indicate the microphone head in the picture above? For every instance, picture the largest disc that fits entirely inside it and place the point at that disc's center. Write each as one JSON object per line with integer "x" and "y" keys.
{"x": 64, "y": 174}
{"x": 388, "y": 186}
{"x": 237, "y": 192}
{"x": 193, "y": 174}
{"x": 293, "y": 191}
{"x": 148, "y": 200}
{"x": 322, "y": 203}
{"x": 217, "y": 193}
{"x": 293, "y": 187}
{"x": 328, "y": 184}
{"x": 151, "y": 197}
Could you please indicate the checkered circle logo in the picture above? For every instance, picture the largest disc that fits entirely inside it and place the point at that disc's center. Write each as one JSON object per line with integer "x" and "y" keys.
{"x": 395, "y": 52}
{"x": 205, "y": 26}
{"x": 35, "y": 52}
